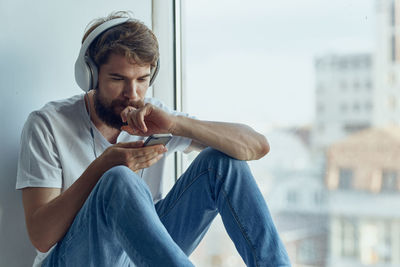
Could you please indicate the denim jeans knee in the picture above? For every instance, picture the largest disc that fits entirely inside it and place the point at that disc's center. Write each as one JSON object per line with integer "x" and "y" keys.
{"x": 221, "y": 162}
{"x": 117, "y": 180}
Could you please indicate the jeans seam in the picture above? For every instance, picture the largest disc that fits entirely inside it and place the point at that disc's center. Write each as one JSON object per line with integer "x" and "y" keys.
{"x": 244, "y": 233}
{"x": 142, "y": 263}
{"x": 183, "y": 191}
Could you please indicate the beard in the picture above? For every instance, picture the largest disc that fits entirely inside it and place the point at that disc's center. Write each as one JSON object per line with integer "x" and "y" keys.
{"x": 109, "y": 113}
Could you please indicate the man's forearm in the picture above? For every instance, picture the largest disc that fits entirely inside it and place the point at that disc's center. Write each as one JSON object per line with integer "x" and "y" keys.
{"x": 49, "y": 223}
{"x": 236, "y": 140}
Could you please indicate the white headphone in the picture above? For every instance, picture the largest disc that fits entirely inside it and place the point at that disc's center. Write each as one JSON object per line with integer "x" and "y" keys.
{"x": 86, "y": 73}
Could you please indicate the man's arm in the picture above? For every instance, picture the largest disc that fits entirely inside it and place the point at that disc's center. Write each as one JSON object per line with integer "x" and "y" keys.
{"x": 49, "y": 213}
{"x": 236, "y": 140}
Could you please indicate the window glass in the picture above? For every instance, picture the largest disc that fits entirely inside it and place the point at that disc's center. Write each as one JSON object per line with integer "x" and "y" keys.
{"x": 271, "y": 65}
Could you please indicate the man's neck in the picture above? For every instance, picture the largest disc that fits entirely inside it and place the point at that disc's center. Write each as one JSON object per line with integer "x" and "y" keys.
{"x": 109, "y": 133}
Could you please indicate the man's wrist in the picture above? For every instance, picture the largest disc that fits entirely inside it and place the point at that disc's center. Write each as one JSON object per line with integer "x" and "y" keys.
{"x": 178, "y": 128}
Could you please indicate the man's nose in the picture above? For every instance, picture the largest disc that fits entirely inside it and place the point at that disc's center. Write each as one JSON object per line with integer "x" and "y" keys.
{"x": 131, "y": 90}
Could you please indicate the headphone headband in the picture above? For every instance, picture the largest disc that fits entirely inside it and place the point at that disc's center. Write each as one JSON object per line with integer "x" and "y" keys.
{"x": 86, "y": 72}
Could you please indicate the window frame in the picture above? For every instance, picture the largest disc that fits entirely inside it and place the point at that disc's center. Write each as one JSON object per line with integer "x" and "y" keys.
{"x": 166, "y": 24}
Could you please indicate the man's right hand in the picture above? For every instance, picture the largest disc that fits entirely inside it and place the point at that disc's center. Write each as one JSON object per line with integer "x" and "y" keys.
{"x": 132, "y": 154}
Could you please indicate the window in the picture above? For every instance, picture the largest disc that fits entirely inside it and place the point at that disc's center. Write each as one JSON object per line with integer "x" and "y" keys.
{"x": 319, "y": 198}
{"x": 307, "y": 251}
{"x": 393, "y": 45}
{"x": 393, "y": 13}
{"x": 269, "y": 64}
{"x": 349, "y": 238}
{"x": 345, "y": 179}
{"x": 292, "y": 197}
{"x": 390, "y": 181}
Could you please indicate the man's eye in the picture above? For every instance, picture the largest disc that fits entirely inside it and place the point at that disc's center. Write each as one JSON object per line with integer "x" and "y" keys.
{"x": 116, "y": 79}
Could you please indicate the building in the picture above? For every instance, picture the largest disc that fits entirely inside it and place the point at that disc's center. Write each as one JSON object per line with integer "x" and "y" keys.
{"x": 297, "y": 197}
{"x": 363, "y": 179}
{"x": 344, "y": 97}
{"x": 387, "y": 63}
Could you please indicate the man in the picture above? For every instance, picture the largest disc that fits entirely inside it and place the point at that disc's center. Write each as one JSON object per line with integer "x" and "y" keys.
{"x": 91, "y": 190}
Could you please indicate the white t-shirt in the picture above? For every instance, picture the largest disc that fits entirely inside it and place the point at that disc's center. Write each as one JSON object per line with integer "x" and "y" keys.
{"x": 56, "y": 148}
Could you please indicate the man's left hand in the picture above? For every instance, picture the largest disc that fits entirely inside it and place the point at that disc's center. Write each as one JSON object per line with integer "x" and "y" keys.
{"x": 146, "y": 119}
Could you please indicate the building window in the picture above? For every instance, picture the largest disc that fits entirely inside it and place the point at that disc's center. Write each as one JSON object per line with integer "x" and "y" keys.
{"x": 393, "y": 49}
{"x": 386, "y": 251}
{"x": 307, "y": 251}
{"x": 389, "y": 181}
{"x": 393, "y": 13}
{"x": 319, "y": 198}
{"x": 349, "y": 238}
{"x": 345, "y": 178}
{"x": 292, "y": 197}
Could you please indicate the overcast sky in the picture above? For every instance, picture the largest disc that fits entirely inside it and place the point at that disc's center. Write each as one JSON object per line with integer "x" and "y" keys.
{"x": 252, "y": 61}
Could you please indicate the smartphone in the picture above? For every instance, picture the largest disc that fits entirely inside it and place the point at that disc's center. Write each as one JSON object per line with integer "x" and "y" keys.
{"x": 157, "y": 139}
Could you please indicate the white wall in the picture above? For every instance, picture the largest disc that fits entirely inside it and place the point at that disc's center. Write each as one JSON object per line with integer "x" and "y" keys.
{"x": 39, "y": 42}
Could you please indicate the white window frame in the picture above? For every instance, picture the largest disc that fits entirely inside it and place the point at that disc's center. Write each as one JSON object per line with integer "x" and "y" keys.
{"x": 166, "y": 24}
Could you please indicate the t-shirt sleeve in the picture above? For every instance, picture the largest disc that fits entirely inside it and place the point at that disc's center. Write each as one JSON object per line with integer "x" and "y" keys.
{"x": 38, "y": 163}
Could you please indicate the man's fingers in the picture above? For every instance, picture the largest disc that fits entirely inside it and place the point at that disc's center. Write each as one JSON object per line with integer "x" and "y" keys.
{"x": 129, "y": 130}
{"x": 140, "y": 117}
{"x": 149, "y": 162}
{"x": 148, "y": 157}
{"x": 135, "y": 144}
{"x": 124, "y": 113}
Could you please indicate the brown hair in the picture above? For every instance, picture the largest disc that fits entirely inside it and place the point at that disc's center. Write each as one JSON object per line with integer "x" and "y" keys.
{"x": 132, "y": 39}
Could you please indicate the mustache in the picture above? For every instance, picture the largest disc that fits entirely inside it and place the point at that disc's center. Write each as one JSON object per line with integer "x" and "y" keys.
{"x": 126, "y": 103}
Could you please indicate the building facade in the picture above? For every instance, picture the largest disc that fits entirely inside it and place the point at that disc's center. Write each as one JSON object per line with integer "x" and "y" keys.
{"x": 344, "y": 97}
{"x": 363, "y": 181}
{"x": 387, "y": 63}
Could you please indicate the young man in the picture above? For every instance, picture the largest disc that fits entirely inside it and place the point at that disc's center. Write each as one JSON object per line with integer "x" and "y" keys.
{"x": 91, "y": 190}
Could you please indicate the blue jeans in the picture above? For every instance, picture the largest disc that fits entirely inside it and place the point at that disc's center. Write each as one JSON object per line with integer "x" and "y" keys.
{"x": 119, "y": 224}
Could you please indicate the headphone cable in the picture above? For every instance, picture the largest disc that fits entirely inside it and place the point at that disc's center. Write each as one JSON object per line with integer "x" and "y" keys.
{"x": 90, "y": 126}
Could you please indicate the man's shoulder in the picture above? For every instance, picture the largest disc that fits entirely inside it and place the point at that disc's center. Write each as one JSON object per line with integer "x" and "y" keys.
{"x": 55, "y": 111}
{"x": 58, "y": 107}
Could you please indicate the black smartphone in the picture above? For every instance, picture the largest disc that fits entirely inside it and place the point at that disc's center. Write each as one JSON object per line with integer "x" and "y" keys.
{"x": 157, "y": 139}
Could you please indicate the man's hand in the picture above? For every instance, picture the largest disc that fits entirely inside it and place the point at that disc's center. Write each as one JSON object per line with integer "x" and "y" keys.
{"x": 146, "y": 119}
{"x": 132, "y": 154}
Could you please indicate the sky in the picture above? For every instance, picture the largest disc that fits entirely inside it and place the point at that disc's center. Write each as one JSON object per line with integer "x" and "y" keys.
{"x": 253, "y": 61}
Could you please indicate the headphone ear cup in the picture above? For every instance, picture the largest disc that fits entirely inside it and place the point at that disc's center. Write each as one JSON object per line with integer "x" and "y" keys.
{"x": 94, "y": 77}
{"x": 83, "y": 74}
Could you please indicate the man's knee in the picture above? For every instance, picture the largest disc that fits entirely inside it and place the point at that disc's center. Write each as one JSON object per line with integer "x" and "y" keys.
{"x": 212, "y": 155}
{"x": 121, "y": 180}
